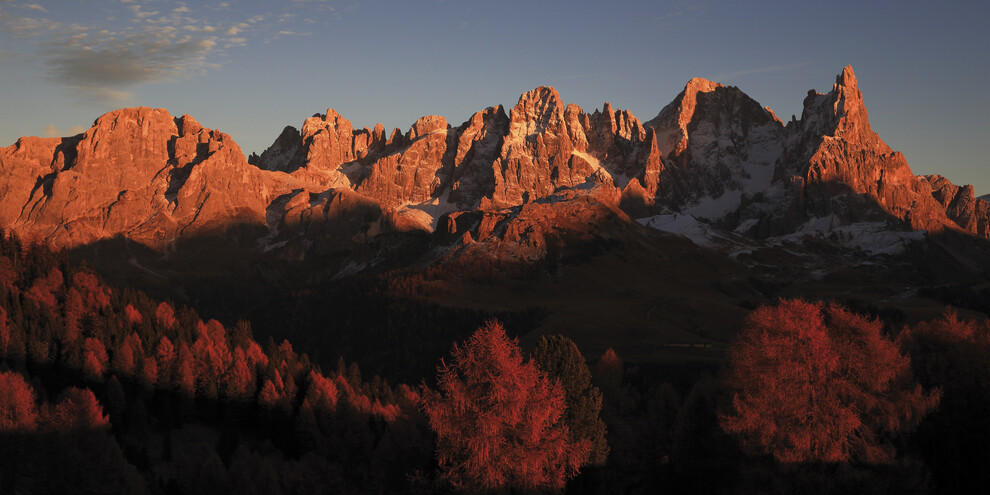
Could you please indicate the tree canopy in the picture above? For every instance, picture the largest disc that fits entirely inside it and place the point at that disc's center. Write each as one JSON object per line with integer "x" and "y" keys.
{"x": 498, "y": 418}
{"x": 814, "y": 382}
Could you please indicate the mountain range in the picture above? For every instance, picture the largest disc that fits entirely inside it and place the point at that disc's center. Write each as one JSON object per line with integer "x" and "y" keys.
{"x": 769, "y": 207}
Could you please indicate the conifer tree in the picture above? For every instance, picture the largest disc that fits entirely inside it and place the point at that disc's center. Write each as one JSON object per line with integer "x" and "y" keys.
{"x": 498, "y": 418}
{"x": 814, "y": 382}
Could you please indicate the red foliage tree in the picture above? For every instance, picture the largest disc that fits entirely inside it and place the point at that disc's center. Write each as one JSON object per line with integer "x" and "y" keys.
{"x": 18, "y": 411}
{"x": 133, "y": 315}
{"x": 812, "y": 382}
{"x": 239, "y": 383}
{"x": 256, "y": 356}
{"x": 212, "y": 356}
{"x": 165, "y": 315}
{"x": 149, "y": 372}
{"x": 95, "y": 358}
{"x": 185, "y": 371}
{"x": 165, "y": 357}
{"x": 77, "y": 409}
{"x": 74, "y": 310}
{"x": 269, "y": 396}
{"x": 497, "y": 418}
{"x": 95, "y": 296}
{"x": 127, "y": 357}
{"x": 322, "y": 393}
{"x": 42, "y": 291}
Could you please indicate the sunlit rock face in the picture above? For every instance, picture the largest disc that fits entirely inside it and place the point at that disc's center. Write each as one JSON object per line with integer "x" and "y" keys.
{"x": 842, "y": 152}
{"x": 713, "y": 154}
{"x": 137, "y": 172}
{"x": 718, "y": 145}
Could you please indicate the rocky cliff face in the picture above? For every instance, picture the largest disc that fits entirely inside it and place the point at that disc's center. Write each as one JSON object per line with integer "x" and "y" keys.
{"x": 137, "y": 172}
{"x": 734, "y": 163}
{"x": 843, "y": 154}
{"x": 718, "y": 145}
{"x": 713, "y": 153}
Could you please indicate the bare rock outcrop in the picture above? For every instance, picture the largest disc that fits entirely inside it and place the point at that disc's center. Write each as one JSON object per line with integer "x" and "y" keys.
{"x": 713, "y": 153}
{"x": 137, "y": 172}
{"x": 850, "y": 171}
{"x": 716, "y": 143}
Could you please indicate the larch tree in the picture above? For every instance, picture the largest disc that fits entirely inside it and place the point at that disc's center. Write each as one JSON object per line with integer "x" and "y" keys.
{"x": 498, "y": 418}
{"x": 95, "y": 359}
{"x": 815, "y": 383}
{"x": 78, "y": 409}
{"x": 18, "y": 411}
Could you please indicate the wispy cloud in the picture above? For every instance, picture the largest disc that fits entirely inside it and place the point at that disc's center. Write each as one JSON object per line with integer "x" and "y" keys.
{"x": 139, "y": 41}
{"x": 106, "y": 68}
{"x": 52, "y": 131}
{"x": 728, "y": 76}
{"x": 680, "y": 14}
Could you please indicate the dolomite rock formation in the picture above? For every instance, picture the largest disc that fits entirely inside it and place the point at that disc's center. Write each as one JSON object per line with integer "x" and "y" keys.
{"x": 137, "y": 172}
{"x": 842, "y": 150}
{"x": 717, "y": 143}
{"x": 712, "y": 153}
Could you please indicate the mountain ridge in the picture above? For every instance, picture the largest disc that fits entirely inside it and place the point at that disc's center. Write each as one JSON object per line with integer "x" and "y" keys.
{"x": 713, "y": 153}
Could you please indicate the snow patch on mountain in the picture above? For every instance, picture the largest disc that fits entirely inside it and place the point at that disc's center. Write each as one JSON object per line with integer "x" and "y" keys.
{"x": 874, "y": 238}
{"x": 697, "y": 231}
{"x": 427, "y": 213}
{"x": 751, "y": 175}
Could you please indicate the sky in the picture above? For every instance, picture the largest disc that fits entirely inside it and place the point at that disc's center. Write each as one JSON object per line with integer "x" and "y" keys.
{"x": 249, "y": 67}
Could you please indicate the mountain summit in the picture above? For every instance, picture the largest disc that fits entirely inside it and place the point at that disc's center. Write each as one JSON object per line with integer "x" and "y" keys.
{"x": 712, "y": 154}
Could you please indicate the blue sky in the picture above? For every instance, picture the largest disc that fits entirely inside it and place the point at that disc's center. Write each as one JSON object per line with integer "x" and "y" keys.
{"x": 249, "y": 68}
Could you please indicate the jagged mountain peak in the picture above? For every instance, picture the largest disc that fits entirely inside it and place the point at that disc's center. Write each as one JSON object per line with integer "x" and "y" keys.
{"x": 840, "y": 113}
{"x": 713, "y": 153}
{"x": 847, "y": 79}
{"x": 427, "y": 125}
{"x": 537, "y": 110}
{"x": 701, "y": 85}
{"x": 699, "y": 94}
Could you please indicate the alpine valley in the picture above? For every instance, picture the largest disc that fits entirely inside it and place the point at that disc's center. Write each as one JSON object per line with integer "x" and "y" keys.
{"x": 650, "y": 237}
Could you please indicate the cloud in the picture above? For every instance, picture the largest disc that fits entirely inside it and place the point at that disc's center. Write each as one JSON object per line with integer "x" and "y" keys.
{"x": 28, "y": 26}
{"x": 138, "y": 41}
{"x": 682, "y": 13}
{"x": 52, "y": 131}
{"x": 103, "y": 69}
{"x": 726, "y": 76}
{"x": 231, "y": 42}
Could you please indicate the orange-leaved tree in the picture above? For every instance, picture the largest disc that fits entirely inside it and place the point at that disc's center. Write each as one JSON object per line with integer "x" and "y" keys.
{"x": 498, "y": 418}
{"x": 814, "y": 382}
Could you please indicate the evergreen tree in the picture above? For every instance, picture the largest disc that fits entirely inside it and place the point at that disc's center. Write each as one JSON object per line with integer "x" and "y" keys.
{"x": 560, "y": 358}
